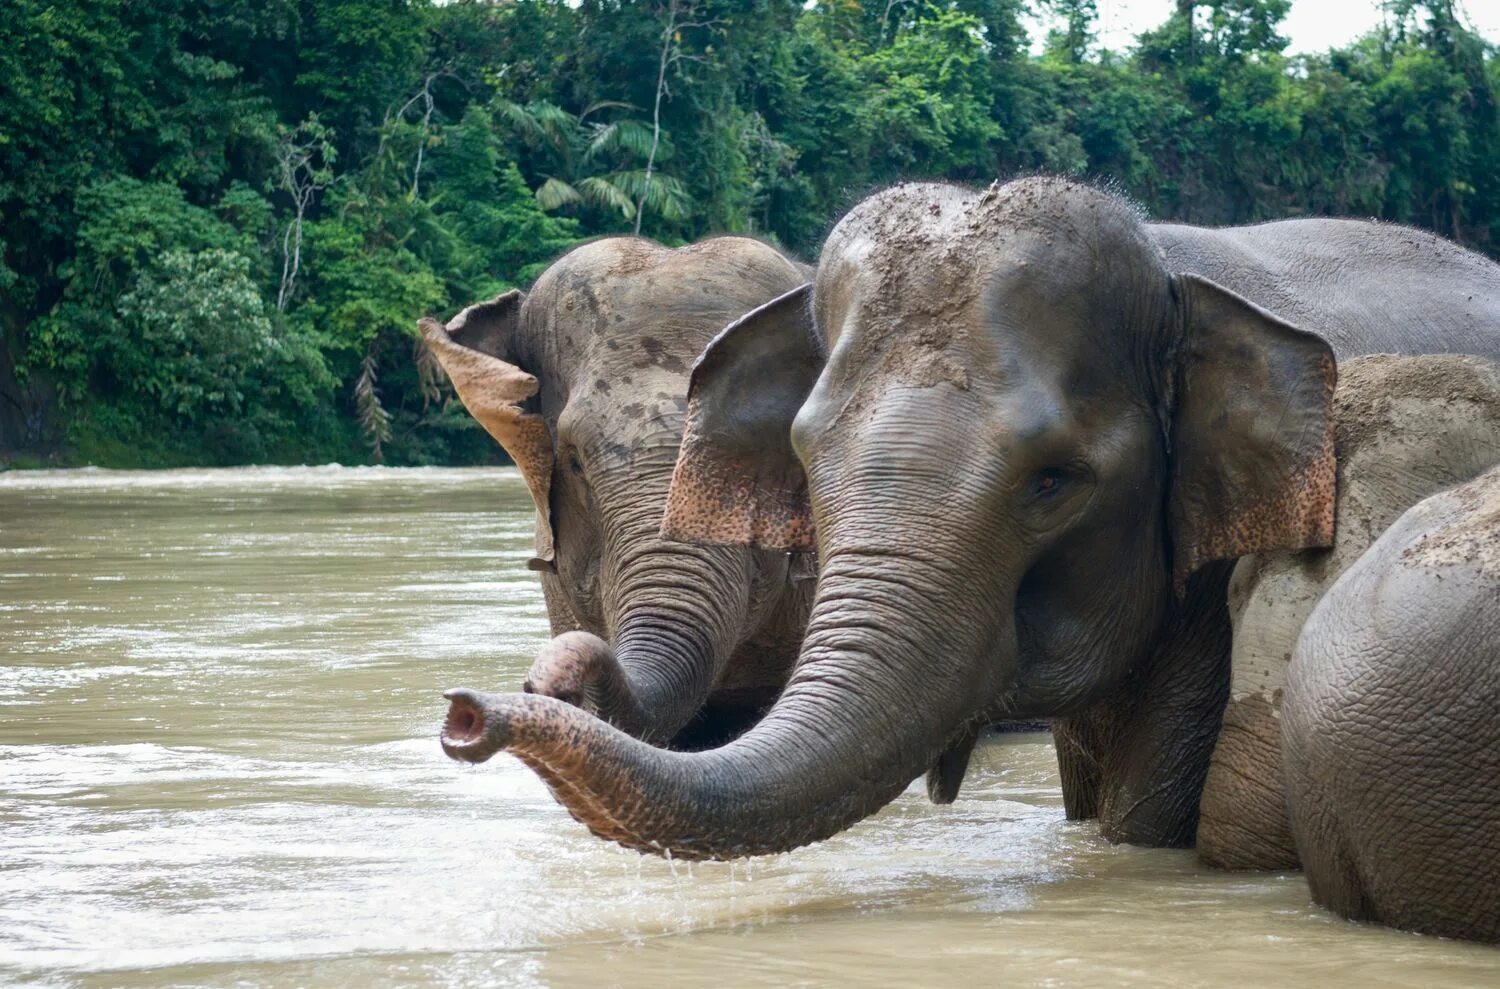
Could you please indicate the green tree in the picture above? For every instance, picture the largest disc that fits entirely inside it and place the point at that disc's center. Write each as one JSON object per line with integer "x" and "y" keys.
{"x": 205, "y": 345}
{"x": 589, "y": 163}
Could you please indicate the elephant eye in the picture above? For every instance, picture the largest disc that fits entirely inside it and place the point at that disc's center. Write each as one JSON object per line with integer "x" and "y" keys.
{"x": 574, "y": 464}
{"x": 1048, "y": 482}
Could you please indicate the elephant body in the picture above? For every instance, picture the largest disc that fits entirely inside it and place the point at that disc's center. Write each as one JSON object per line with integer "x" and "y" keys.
{"x": 1364, "y": 287}
{"x": 584, "y": 381}
{"x": 1027, "y": 445}
{"x": 1405, "y": 428}
{"x": 1390, "y": 727}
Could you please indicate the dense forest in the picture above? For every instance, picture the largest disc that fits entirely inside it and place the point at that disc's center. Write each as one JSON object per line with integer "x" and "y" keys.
{"x": 221, "y": 218}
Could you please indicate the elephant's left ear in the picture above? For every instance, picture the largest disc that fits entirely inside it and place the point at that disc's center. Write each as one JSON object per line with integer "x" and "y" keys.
{"x": 1251, "y": 431}
{"x": 738, "y": 482}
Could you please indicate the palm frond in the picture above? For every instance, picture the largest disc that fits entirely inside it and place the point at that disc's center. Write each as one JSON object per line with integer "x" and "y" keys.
{"x": 521, "y": 119}
{"x": 608, "y": 193}
{"x": 555, "y": 194}
{"x": 665, "y": 196}
{"x": 606, "y": 105}
{"x": 549, "y": 114}
{"x": 374, "y": 420}
{"x": 628, "y": 135}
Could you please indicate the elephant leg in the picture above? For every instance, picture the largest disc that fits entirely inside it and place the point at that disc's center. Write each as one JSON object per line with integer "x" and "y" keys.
{"x": 1242, "y": 822}
{"x": 1156, "y": 737}
{"x": 947, "y": 774}
{"x": 1077, "y": 740}
{"x": 1242, "y": 816}
{"x": 1334, "y": 879}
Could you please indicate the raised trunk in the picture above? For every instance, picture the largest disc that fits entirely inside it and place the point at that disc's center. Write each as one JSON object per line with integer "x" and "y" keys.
{"x": 868, "y": 709}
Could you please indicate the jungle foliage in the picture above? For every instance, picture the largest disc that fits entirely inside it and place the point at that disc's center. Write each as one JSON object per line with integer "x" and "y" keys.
{"x": 221, "y": 218}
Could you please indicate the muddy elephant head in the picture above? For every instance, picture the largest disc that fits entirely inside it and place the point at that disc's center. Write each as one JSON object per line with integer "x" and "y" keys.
{"x": 1012, "y": 434}
{"x": 583, "y": 381}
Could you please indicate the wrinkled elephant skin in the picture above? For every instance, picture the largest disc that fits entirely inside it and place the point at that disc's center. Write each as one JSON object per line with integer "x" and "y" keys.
{"x": 1390, "y": 729}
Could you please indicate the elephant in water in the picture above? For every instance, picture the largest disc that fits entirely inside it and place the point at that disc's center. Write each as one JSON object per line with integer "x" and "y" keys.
{"x": 1391, "y": 724}
{"x": 584, "y": 381}
{"x": 1404, "y": 428}
{"x": 1027, "y": 433}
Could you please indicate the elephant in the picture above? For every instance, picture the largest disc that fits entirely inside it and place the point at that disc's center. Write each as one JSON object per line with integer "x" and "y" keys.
{"x": 1404, "y": 428}
{"x": 583, "y": 381}
{"x": 1027, "y": 433}
{"x": 1389, "y": 727}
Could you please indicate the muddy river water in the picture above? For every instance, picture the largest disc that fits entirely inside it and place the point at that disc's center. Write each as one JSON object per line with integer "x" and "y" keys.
{"x": 219, "y": 699}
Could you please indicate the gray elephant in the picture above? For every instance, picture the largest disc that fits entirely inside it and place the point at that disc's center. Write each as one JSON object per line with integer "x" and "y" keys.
{"x": 1026, "y": 432}
{"x": 1391, "y": 724}
{"x": 584, "y": 382}
{"x": 1404, "y": 428}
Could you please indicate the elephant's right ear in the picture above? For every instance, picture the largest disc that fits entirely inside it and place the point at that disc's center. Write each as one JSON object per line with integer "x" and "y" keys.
{"x": 473, "y": 349}
{"x": 738, "y": 481}
{"x": 1253, "y": 463}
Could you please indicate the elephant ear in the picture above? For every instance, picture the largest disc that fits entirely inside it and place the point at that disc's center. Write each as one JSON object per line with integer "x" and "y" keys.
{"x": 1251, "y": 434}
{"x": 738, "y": 481}
{"x": 473, "y": 349}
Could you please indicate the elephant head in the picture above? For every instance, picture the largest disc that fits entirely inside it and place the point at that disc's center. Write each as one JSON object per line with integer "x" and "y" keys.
{"x": 1012, "y": 435}
{"x": 583, "y": 381}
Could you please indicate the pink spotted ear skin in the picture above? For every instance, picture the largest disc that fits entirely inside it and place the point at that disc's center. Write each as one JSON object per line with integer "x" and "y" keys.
{"x": 737, "y": 481}
{"x": 494, "y": 392}
{"x": 720, "y": 503}
{"x": 1254, "y": 466}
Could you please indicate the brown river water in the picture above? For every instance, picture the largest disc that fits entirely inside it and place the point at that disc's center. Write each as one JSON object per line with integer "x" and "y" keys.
{"x": 219, "y": 701}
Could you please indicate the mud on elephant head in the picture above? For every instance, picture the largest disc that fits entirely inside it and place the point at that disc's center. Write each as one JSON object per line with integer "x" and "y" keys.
{"x": 583, "y": 381}
{"x": 1017, "y": 436}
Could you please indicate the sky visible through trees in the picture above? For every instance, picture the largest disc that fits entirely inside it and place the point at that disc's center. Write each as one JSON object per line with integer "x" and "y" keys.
{"x": 222, "y": 218}
{"x": 1311, "y": 26}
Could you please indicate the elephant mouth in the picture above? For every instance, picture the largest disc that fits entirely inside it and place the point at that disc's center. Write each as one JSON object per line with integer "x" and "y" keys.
{"x": 463, "y": 735}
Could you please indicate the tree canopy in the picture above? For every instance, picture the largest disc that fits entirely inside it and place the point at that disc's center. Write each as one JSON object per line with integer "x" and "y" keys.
{"x": 221, "y": 218}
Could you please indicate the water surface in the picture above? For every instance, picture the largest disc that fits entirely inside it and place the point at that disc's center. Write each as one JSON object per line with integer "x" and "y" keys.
{"x": 219, "y": 699}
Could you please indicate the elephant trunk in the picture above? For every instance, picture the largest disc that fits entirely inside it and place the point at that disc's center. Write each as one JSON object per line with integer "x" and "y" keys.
{"x": 868, "y": 709}
{"x": 674, "y": 612}
{"x": 680, "y": 612}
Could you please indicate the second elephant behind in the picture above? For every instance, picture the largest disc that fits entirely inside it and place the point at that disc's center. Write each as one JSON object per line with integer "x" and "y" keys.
{"x": 583, "y": 380}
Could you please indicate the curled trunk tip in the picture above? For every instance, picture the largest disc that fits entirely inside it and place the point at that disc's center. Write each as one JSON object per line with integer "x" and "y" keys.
{"x": 468, "y": 734}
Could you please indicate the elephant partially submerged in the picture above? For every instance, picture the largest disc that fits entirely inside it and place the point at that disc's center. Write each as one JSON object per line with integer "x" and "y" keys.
{"x": 1390, "y": 727}
{"x": 1026, "y": 432}
{"x": 1404, "y": 428}
{"x": 584, "y": 382}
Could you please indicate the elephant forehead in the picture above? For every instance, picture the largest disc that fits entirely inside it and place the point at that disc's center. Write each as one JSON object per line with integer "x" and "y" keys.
{"x": 642, "y": 429}
{"x": 661, "y": 304}
{"x": 932, "y": 247}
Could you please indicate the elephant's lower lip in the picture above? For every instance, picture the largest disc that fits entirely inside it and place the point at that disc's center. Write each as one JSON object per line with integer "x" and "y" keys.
{"x": 463, "y": 729}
